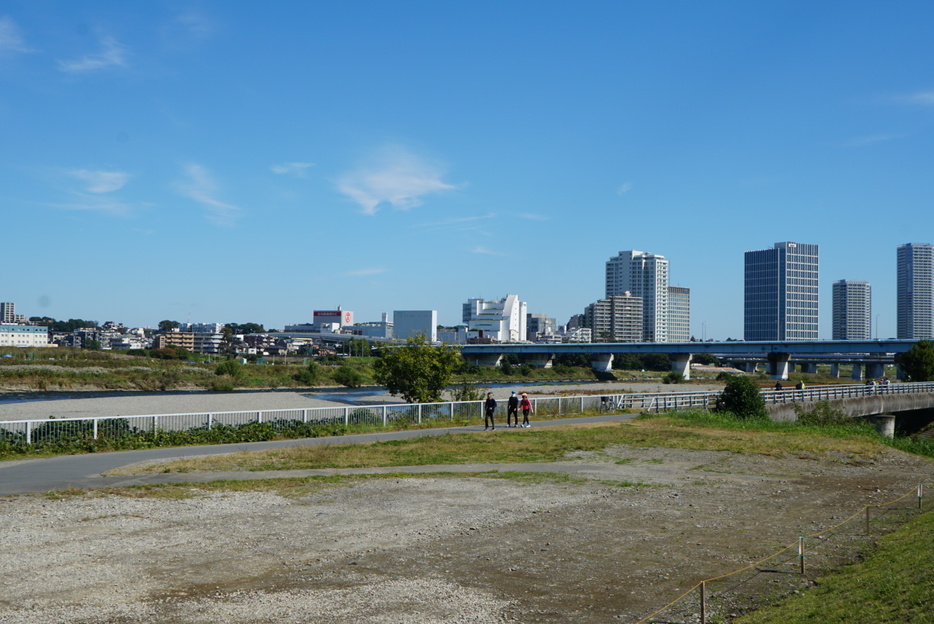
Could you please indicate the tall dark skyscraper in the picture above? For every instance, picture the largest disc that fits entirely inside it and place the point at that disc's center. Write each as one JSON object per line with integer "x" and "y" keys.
{"x": 781, "y": 293}
{"x": 915, "y": 291}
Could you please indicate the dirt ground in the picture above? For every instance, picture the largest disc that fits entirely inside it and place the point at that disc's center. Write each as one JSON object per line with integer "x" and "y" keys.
{"x": 601, "y": 538}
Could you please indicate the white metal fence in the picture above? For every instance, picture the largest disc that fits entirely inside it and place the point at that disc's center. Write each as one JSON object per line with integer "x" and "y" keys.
{"x": 46, "y": 431}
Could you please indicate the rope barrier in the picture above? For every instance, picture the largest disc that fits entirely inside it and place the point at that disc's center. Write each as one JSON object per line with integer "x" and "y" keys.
{"x": 863, "y": 509}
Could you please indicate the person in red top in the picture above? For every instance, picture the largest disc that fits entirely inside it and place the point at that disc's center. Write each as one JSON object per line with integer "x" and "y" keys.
{"x": 526, "y": 406}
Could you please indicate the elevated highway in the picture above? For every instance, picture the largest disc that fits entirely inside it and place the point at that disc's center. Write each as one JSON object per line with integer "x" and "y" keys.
{"x": 780, "y": 356}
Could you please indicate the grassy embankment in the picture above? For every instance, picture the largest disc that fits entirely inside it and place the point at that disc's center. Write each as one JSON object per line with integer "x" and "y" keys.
{"x": 81, "y": 369}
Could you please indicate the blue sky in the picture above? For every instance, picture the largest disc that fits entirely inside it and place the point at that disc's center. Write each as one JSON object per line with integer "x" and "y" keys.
{"x": 252, "y": 162}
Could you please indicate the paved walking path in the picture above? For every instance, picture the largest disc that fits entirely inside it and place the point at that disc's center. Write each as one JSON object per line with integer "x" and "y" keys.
{"x": 84, "y": 471}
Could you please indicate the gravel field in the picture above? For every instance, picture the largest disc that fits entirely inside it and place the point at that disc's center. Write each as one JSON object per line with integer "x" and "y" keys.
{"x": 631, "y": 530}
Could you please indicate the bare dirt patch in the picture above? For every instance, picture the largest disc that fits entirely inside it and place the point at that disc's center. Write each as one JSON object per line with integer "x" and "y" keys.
{"x": 611, "y": 536}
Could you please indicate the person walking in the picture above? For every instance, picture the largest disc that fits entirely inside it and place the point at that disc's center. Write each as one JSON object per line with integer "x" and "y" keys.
{"x": 527, "y": 409}
{"x": 512, "y": 409}
{"x": 489, "y": 408}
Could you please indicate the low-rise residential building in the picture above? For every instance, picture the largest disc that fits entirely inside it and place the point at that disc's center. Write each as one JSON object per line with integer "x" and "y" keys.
{"x": 23, "y": 335}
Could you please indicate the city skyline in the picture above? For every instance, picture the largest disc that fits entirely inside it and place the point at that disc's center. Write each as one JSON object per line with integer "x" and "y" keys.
{"x": 215, "y": 162}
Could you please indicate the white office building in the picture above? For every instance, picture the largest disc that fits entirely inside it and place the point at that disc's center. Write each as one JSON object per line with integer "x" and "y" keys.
{"x": 852, "y": 310}
{"x": 409, "y": 323}
{"x": 643, "y": 275}
{"x": 915, "y": 291}
{"x": 497, "y": 321}
{"x": 781, "y": 293}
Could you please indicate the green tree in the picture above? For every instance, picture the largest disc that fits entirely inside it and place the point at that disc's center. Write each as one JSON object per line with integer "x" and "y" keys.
{"x": 418, "y": 371}
{"x": 358, "y": 347}
{"x": 167, "y": 326}
{"x": 741, "y": 397}
{"x": 917, "y": 363}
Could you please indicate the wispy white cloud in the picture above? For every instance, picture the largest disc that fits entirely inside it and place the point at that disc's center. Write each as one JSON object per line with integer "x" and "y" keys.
{"x": 532, "y": 216}
{"x": 297, "y": 169}
{"x": 365, "y": 272}
{"x": 112, "y": 54}
{"x": 394, "y": 176}
{"x": 872, "y": 139}
{"x": 10, "y": 39}
{"x": 195, "y": 23}
{"x": 101, "y": 181}
{"x": 919, "y": 98}
{"x": 103, "y": 204}
{"x": 485, "y": 251}
{"x": 96, "y": 193}
{"x": 458, "y": 223}
{"x": 199, "y": 186}
{"x": 624, "y": 188}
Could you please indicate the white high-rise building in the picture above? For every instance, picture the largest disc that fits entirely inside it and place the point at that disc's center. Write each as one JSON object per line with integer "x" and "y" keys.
{"x": 500, "y": 321}
{"x": 408, "y": 323}
{"x": 915, "y": 291}
{"x": 679, "y": 314}
{"x": 642, "y": 275}
{"x": 852, "y": 310}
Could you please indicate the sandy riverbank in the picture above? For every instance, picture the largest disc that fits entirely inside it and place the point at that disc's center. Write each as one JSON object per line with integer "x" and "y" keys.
{"x": 200, "y": 402}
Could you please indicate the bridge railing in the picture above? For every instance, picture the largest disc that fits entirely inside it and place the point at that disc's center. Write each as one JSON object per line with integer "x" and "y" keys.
{"x": 53, "y": 430}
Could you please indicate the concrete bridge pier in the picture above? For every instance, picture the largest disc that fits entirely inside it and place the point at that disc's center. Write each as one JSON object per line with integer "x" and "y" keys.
{"x": 808, "y": 367}
{"x": 857, "y": 372}
{"x": 875, "y": 370}
{"x": 681, "y": 363}
{"x": 779, "y": 365}
{"x": 539, "y": 361}
{"x": 602, "y": 362}
{"x": 487, "y": 359}
{"x": 834, "y": 370}
{"x": 885, "y": 424}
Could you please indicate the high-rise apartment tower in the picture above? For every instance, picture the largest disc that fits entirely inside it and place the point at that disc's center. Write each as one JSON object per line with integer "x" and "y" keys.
{"x": 915, "y": 288}
{"x": 642, "y": 275}
{"x": 852, "y": 310}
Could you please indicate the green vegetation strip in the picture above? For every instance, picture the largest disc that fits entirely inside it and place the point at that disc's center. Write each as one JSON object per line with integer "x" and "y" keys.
{"x": 685, "y": 430}
{"x": 895, "y": 583}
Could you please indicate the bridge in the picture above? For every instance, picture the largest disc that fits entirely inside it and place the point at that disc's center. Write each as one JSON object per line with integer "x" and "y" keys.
{"x": 781, "y": 356}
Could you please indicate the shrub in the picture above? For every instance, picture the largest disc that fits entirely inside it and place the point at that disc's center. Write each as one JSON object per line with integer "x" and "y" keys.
{"x": 673, "y": 378}
{"x": 741, "y": 398}
{"x": 348, "y": 376}
{"x": 229, "y": 367}
{"x": 309, "y": 376}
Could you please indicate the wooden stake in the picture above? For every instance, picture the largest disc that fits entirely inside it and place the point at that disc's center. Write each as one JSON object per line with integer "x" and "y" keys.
{"x": 801, "y": 552}
{"x": 703, "y": 602}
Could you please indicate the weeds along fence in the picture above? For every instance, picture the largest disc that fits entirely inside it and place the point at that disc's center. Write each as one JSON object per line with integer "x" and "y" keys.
{"x": 793, "y": 566}
{"x": 49, "y": 431}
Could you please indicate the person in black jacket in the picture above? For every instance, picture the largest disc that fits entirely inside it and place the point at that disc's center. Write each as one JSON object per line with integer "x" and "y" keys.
{"x": 489, "y": 407}
{"x": 512, "y": 409}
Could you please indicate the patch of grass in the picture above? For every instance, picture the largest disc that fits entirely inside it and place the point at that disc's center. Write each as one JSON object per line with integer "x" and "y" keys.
{"x": 688, "y": 430}
{"x": 894, "y": 583}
